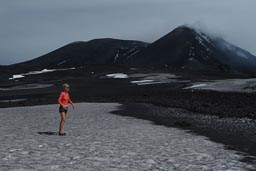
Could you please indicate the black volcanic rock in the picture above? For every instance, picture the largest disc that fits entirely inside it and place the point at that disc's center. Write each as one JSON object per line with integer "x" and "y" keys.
{"x": 189, "y": 50}
{"x": 98, "y": 51}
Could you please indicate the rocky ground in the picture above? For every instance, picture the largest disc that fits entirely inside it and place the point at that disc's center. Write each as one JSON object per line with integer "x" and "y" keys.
{"x": 90, "y": 84}
{"x": 99, "y": 138}
{"x": 235, "y": 133}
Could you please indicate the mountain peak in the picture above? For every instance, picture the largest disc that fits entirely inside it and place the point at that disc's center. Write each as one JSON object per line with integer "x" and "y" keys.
{"x": 181, "y": 31}
{"x": 183, "y": 28}
{"x": 187, "y": 49}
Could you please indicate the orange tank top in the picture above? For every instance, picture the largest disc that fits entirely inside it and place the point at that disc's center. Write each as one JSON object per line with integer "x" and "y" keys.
{"x": 64, "y": 99}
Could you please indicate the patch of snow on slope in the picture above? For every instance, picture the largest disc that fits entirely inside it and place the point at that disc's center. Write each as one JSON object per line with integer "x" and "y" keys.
{"x": 191, "y": 53}
{"x": 196, "y": 86}
{"x": 154, "y": 78}
{"x": 117, "y": 56}
{"x": 137, "y": 51}
{"x": 39, "y": 72}
{"x": 142, "y": 81}
{"x": 150, "y": 83}
{"x": 17, "y": 76}
{"x": 203, "y": 38}
{"x": 117, "y": 75}
{"x": 60, "y": 63}
{"x": 129, "y": 51}
{"x": 201, "y": 41}
{"x": 206, "y": 38}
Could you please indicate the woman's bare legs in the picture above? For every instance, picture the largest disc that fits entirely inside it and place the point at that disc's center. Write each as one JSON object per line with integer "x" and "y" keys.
{"x": 62, "y": 121}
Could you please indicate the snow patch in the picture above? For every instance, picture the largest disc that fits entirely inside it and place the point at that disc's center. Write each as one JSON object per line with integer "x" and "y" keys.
{"x": 196, "y": 86}
{"x": 137, "y": 51}
{"x": 202, "y": 38}
{"x": 117, "y": 56}
{"x": 206, "y": 38}
{"x": 141, "y": 81}
{"x": 154, "y": 78}
{"x": 201, "y": 41}
{"x": 39, "y": 72}
{"x": 17, "y": 76}
{"x": 129, "y": 51}
{"x": 117, "y": 75}
{"x": 191, "y": 52}
{"x": 62, "y": 62}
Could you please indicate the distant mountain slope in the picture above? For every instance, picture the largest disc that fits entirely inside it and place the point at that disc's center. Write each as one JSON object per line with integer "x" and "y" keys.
{"x": 183, "y": 49}
{"x": 98, "y": 51}
{"x": 235, "y": 57}
{"x": 186, "y": 49}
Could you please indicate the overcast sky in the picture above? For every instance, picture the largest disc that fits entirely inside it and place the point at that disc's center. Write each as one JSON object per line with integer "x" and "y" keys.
{"x": 30, "y": 28}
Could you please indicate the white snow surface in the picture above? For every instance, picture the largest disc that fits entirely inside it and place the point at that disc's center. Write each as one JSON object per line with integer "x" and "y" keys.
{"x": 117, "y": 75}
{"x": 197, "y": 85}
{"x": 39, "y": 72}
{"x": 98, "y": 140}
{"x": 16, "y": 77}
{"x": 142, "y": 81}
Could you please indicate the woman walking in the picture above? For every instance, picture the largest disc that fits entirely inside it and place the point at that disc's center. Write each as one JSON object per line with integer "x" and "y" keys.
{"x": 64, "y": 100}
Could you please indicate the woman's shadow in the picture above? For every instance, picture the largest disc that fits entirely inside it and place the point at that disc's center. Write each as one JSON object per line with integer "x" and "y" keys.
{"x": 47, "y": 133}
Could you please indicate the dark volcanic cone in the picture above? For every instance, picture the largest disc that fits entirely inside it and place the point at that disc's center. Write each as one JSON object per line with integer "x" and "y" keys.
{"x": 98, "y": 51}
{"x": 189, "y": 50}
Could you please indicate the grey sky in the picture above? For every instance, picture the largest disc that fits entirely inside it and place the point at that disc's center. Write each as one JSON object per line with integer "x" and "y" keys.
{"x": 31, "y": 28}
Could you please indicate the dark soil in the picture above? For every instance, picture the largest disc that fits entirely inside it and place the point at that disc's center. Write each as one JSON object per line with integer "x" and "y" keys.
{"x": 91, "y": 87}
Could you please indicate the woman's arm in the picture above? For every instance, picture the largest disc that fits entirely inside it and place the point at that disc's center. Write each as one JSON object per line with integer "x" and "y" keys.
{"x": 70, "y": 102}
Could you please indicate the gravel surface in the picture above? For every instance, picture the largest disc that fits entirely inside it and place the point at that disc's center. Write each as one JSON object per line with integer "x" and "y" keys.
{"x": 98, "y": 140}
